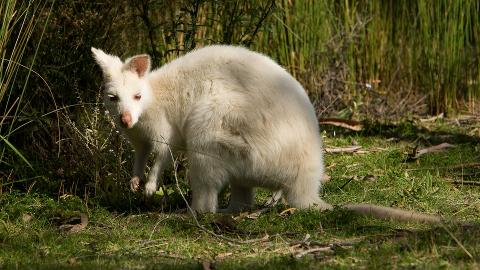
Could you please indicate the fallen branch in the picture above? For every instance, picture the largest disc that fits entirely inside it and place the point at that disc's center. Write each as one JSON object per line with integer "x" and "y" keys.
{"x": 348, "y": 124}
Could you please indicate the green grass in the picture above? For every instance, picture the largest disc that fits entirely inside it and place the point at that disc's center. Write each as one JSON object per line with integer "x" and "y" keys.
{"x": 30, "y": 236}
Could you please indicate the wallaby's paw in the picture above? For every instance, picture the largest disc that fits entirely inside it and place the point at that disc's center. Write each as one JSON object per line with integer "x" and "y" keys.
{"x": 150, "y": 188}
{"x": 135, "y": 183}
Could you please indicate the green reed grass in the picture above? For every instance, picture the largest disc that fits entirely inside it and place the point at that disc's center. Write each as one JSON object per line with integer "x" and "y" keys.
{"x": 19, "y": 21}
{"x": 424, "y": 46}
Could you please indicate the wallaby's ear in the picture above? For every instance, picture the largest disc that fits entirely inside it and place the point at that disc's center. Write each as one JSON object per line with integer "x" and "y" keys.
{"x": 107, "y": 62}
{"x": 139, "y": 64}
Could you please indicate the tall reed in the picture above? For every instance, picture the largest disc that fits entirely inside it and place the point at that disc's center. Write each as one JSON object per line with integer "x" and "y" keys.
{"x": 421, "y": 46}
{"x": 19, "y": 21}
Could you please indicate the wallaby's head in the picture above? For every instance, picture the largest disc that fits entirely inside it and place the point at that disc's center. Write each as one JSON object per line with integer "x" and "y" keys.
{"x": 127, "y": 91}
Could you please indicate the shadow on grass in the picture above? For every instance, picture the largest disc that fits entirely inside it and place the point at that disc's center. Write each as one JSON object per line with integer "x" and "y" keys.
{"x": 408, "y": 131}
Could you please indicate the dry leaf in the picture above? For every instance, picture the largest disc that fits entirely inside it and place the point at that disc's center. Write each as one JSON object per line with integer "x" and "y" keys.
{"x": 287, "y": 212}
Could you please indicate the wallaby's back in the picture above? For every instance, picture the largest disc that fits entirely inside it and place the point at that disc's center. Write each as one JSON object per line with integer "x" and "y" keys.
{"x": 247, "y": 120}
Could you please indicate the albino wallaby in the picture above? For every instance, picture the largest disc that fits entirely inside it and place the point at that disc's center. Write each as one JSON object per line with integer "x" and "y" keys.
{"x": 240, "y": 118}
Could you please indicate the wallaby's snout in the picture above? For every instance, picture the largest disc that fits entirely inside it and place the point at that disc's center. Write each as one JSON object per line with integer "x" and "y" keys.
{"x": 126, "y": 119}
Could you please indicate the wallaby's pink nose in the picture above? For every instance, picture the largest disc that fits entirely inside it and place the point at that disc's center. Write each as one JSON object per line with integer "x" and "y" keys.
{"x": 126, "y": 118}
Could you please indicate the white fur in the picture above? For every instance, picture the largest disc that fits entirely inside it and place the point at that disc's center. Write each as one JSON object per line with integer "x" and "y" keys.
{"x": 240, "y": 118}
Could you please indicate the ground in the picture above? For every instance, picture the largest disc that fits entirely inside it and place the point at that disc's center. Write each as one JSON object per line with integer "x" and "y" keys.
{"x": 34, "y": 230}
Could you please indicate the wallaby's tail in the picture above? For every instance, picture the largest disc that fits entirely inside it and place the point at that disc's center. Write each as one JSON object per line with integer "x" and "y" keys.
{"x": 392, "y": 213}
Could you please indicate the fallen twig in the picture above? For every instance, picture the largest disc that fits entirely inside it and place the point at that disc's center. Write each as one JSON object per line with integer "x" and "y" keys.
{"x": 436, "y": 148}
{"x": 348, "y": 149}
{"x": 322, "y": 248}
{"x": 433, "y": 118}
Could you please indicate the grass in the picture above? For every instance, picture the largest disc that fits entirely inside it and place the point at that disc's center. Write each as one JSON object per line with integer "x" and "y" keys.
{"x": 31, "y": 236}
{"x": 334, "y": 46}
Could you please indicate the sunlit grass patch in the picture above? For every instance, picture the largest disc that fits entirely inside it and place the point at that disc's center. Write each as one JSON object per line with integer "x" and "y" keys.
{"x": 278, "y": 238}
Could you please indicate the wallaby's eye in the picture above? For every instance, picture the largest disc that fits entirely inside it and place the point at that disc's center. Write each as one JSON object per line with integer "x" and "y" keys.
{"x": 137, "y": 96}
{"x": 112, "y": 98}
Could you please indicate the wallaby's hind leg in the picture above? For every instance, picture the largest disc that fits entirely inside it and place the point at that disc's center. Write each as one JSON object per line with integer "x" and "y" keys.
{"x": 242, "y": 198}
{"x": 206, "y": 180}
{"x": 304, "y": 193}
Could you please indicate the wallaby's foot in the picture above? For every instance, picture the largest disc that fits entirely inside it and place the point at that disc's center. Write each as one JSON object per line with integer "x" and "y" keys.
{"x": 135, "y": 184}
{"x": 323, "y": 206}
{"x": 204, "y": 199}
{"x": 150, "y": 188}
